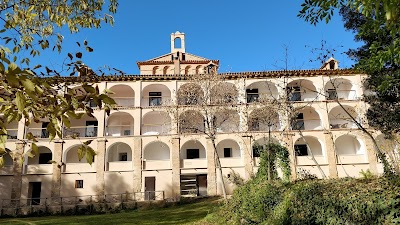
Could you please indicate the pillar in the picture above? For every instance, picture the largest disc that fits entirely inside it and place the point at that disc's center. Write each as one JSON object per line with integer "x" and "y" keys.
{"x": 247, "y": 157}
{"x": 331, "y": 155}
{"x": 137, "y": 164}
{"x": 288, "y": 139}
{"x": 16, "y": 182}
{"x": 100, "y": 166}
{"x": 176, "y": 167}
{"x": 57, "y": 167}
{"x": 371, "y": 155}
{"x": 211, "y": 173}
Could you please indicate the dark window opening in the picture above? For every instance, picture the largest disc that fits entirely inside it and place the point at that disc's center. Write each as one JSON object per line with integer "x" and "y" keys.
{"x": 301, "y": 150}
{"x": 78, "y": 183}
{"x": 154, "y": 98}
{"x": 227, "y": 152}
{"x": 45, "y": 158}
{"x": 193, "y": 153}
{"x": 123, "y": 156}
{"x": 91, "y": 129}
{"x": 252, "y": 95}
{"x": 256, "y": 151}
{"x": 44, "y": 133}
{"x": 178, "y": 43}
{"x": 294, "y": 94}
{"x": 298, "y": 123}
{"x": 332, "y": 65}
{"x": 332, "y": 94}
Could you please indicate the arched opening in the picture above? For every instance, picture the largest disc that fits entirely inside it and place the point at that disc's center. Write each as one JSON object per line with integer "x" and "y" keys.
{"x": 348, "y": 145}
{"x": 177, "y": 43}
{"x": 199, "y": 69}
{"x": 156, "y": 123}
{"x": 12, "y": 130}
{"x": 119, "y": 124}
{"x": 228, "y": 149}
{"x": 226, "y": 121}
{"x": 190, "y": 94}
{"x": 39, "y": 129}
{"x": 165, "y": 70}
{"x": 191, "y": 122}
{"x": 156, "y": 151}
{"x": 187, "y": 70}
{"x": 301, "y": 90}
{"x": 341, "y": 89}
{"x": 306, "y": 118}
{"x": 71, "y": 156}
{"x": 84, "y": 127}
{"x": 308, "y": 146}
{"x": 119, "y": 152}
{"x": 224, "y": 93}
{"x": 155, "y": 69}
{"x": 340, "y": 118}
{"x": 156, "y": 95}
{"x": 264, "y": 119}
{"x": 262, "y": 142}
{"x": 261, "y": 91}
{"x": 119, "y": 157}
{"x": 193, "y": 150}
{"x": 123, "y": 95}
{"x": 44, "y": 157}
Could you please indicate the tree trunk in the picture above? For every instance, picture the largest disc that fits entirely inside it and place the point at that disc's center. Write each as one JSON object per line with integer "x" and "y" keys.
{"x": 219, "y": 168}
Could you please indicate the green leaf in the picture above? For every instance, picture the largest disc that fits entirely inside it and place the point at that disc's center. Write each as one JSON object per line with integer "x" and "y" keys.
{"x": 1, "y": 161}
{"x": 20, "y": 101}
{"x": 81, "y": 152}
{"x": 35, "y": 149}
{"x": 107, "y": 99}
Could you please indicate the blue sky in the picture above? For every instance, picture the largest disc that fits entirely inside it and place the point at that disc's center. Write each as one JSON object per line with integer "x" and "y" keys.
{"x": 243, "y": 35}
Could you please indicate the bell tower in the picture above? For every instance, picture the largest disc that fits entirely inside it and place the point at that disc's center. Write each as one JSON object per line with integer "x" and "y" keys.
{"x": 178, "y": 42}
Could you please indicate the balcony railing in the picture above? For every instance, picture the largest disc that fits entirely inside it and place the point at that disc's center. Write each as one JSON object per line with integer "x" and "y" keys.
{"x": 194, "y": 163}
{"x": 155, "y": 129}
{"x": 341, "y": 95}
{"x": 124, "y": 101}
{"x": 261, "y": 97}
{"x": 298, "y": 96}
{"x": 38, "y": 132}
{"x": 156, "y": 164}
{"x": 156, "y": 101}
{"x": 307, "y": 160}
{"x": 119, "y": 130}
{"x": 83, "y": 131}
{"x": 12, "y": 133}
{"x": 351, "y": 159}
{"x": 39, "y": 169}
{"x": 342, "y": 124}
{"x": 307, "y": 124}
{"x": 79, "y": 167}
{"x": 120, "y": 166}
{"x": 231, "y": 161}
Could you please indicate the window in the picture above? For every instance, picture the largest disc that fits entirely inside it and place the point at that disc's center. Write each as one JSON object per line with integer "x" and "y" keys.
{"x": 123, "y": 156}
{"x": 154, "y": 98}
{"x": 127, "y": 132}
{"x": 44, "y": 158}
{"x": 193, "y": 153}
{"x": 44, "y": 133}
{"x": 298, "y": 123}
{"x": 294, "y": 94}
{"x": 91, "y": 129}
{"x": 227, "y": 152}
{"x": 301, "y": 150}
{"x": 78, "y": 183}
{"x": 332, "y": 94}
{"x": 252, "y": 95}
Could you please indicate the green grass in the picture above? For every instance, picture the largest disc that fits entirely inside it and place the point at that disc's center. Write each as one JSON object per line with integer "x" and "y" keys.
{"x": 181, "y": 214}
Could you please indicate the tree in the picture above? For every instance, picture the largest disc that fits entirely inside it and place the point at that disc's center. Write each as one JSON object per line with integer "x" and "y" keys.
{"x": 25, "y": 94}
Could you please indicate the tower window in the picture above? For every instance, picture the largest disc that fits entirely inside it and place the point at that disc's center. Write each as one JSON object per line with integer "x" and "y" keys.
{"x": 177, "y": 43}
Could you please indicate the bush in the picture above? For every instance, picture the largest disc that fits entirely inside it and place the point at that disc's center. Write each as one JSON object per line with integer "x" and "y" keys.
{"x": 335, "y": 201}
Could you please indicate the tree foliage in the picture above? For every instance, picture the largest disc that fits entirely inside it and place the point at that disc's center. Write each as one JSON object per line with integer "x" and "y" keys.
{"x": 28, "y": 28}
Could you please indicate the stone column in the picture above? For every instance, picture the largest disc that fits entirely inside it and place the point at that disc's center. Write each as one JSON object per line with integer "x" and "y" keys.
{"x": 137, "y": 164}
{"x": 247, "y": 157}
{"x": 57, "y": 167}
{"x": 176, "y": 167}
{"x": 16, "y": 182}
{"x": 100, "y": 165}
{"x": 372, "y": 157}
{"x": 288, "y": 139}
{"x": 211, "y": 173}
{"x": 331, "y": 155}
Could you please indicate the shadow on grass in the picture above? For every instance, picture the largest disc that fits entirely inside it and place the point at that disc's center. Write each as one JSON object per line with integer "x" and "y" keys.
{"x": 180, "y": 214}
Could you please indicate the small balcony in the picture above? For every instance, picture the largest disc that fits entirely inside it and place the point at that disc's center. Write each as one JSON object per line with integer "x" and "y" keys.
{"x": 194, "y": 163}
{"x": 155, "y": 129}
{"x": 119, "y": 130}
{"x": 231, "y": 161}
{"x": 39, "y": 169}
{"x": 154, "y": 101}
{"x": 39, "y": 132}
{"x": 156, "y": 164}
{"x": 12, "y": 134}
{"x": 81, "y": 131}
{"x": 79, "y": 167}
{"x": 351, "y": 159}
{"x": 308, "y": 161}
{"x": 342, "y": 124}
{"x": 120, "y": 166}
{"x": 307, "y": 124}
{"x": 341, "y": 95}
{"x": 123, "y": 102}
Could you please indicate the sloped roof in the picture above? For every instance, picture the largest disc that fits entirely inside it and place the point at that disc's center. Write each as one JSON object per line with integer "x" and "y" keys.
{"x": 166, "y": 59}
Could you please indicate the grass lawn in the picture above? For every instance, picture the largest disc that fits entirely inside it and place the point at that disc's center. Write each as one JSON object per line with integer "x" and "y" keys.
{"x": 182, "y": 214}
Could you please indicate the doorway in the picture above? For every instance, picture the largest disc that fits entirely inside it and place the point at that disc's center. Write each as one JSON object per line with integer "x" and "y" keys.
{"x": 201, "y": 184}
{"x": 35, "y": 188}
{"x": 150, "y": 188}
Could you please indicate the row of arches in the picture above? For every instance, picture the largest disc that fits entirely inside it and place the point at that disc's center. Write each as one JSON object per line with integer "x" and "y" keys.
{"x": 165, "y": 70}
{"x": 192, "y": 149}
{"x": 192, "y": 93}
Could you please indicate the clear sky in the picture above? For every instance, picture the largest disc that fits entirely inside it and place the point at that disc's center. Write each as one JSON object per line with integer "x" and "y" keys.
{"x": 243, "y": 35}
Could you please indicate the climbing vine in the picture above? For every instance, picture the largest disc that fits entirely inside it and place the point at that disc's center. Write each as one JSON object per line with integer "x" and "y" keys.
{"x": 272, "y": 155}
